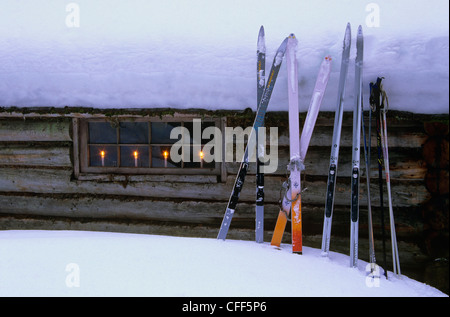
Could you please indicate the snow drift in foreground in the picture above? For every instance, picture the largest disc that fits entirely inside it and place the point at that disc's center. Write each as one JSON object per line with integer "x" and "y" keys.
{"x": 78, "y": 263}
{"x": 202, "y": 54}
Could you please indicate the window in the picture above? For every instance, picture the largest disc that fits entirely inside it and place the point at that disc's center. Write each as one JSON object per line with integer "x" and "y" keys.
{"x": 144, "y": 146}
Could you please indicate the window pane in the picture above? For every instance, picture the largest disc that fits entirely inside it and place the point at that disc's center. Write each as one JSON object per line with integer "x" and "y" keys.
{"x": 198, "y": 129}
{"x": 192, "y": 127}
{"x": 205, "y": 125}
{"x": 208, "y": 152}
{"x": 102, "y": 132}
{"x": 196, "y": 161}
{"x": 191, "y": 163}
{"x": 161, "y": 157}
{"x": 133, "y": 132}
{"x": 161, "y": 132}
{"x": 133, "y": 156}
{"x": 113, "y": 145}
{"x": 102, "y": 155}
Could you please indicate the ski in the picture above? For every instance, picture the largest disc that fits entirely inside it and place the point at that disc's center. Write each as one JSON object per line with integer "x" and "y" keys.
{"x": 367, "y": 147}
{"x": 295, "y": 164}
{"x": 260, "y": 81}
{"x": 259, "y": 120}
{"x": 354, "y": 202}
{"x": 308, "y": 127}
{"x": 332, "y": 171}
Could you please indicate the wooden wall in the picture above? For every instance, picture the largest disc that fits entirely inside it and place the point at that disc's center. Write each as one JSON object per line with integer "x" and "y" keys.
{"x": 40, "y": 189}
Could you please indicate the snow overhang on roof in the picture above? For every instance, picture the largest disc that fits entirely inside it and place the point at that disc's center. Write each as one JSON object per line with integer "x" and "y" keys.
{"x": 202, "y": 54}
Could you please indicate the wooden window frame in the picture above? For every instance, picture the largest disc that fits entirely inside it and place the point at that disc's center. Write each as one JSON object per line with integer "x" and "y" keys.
{"x": 81, "y": 152}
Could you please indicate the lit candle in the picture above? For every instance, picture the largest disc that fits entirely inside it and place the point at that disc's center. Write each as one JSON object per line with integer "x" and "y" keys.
{"x": 166, "y": 154}
{"x": 201, "y": 159}
{"x": 135, "y": 153}
{"x": 102, "y": 155}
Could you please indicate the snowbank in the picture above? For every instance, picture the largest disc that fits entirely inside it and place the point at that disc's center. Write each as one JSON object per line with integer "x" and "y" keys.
{"x": 77, "y": 263}
{"x": 201, "y": 54}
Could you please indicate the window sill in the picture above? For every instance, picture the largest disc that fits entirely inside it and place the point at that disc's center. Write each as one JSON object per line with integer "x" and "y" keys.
{"x": 114, "y": 178}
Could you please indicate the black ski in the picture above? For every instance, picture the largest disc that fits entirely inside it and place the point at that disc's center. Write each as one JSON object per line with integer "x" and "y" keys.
{"x": 259, "y": 122}
{"x": 332, "y": 170}
{"x": 260, "y": 82}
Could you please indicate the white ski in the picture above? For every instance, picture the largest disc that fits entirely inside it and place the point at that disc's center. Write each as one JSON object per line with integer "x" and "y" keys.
{"x": 308, "y": 127}
{"x": 295, "y": 164}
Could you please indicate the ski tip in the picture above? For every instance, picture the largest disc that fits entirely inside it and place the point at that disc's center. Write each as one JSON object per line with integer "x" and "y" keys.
{"x": 348, "y": 35}
{"x": 261, "y": 32}
{"x": 347, "y": 39}
{"x": 328, "y": 58}
{"x": 359, "y": 36}
{"x": 280, "y": 53}
{"x": 261, "y": 45}
{"x": 283, "y": 46}
{"x": 292, "y": 40}
{"x": 348, "y": 30}
{"x": 359, "y": 45}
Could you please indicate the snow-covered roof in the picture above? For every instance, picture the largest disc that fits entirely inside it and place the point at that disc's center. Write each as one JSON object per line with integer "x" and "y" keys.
{"x": 202, "y": 53}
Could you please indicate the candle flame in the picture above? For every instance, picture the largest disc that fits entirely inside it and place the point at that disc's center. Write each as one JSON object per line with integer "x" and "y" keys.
{"x": 135, "y": 153}
{"x": 166, "y": 154}
{"x": 201, "y": 154}
{"x": 102, "y": 154}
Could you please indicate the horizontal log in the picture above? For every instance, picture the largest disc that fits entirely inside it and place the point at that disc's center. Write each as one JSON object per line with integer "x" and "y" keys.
{"x": 91, "y": 207}
{"x": 48, "y": 130}
{"x": 409, "y": 137}
{"x": 34, "y": 131}
{"x": 47, "y": 181}
{"x": 206, "y": 179}
{"x": 405, "y": 164}
{"x": 35, "y": 156}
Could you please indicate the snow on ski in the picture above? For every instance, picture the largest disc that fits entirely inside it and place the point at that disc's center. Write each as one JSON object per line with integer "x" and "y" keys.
{"x": 354, "y": 202}
{"x": 308, "y": 127}
{"x": 260, "y": 81}
{"x": 259, "y": 121}
{"x": 329, "y": 204}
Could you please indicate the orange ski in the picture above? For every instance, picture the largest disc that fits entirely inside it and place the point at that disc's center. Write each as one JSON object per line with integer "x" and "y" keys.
{"x": 297, "y": 225}
{"x": 280, "y": 227}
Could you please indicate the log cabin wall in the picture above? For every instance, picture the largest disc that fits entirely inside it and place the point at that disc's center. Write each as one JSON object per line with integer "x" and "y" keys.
{"x": 41, "y": 187}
